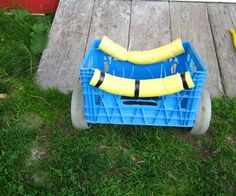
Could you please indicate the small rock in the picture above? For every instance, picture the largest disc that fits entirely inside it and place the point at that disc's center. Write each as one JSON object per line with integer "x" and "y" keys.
{"x": 3, "y": 96}
{"x": 232, "y": 140}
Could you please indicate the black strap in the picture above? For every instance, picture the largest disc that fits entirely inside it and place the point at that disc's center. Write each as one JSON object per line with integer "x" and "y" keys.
{"x": 101, "y": 79}
{"x": 185, "y": 85}
{"x": 136, "y": 90}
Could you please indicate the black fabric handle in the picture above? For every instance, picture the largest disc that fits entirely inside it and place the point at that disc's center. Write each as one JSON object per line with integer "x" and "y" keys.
{"x": 185, "y": 85}
{"x": 101, "y": 79}
{"x": 136, "y": 90}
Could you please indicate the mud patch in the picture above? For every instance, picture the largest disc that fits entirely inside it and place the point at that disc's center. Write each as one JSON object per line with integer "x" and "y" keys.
{"x": 62, "y": 124}
{"x": 185, "y": 136}
{"x": 136, "y": 160}
{"x": 102, "y": 148}
{"x": 231, "y": 140}
{"x": 206, "y": 152}
{"x": 37, "y": 153}
{"x": 37, "y": 178}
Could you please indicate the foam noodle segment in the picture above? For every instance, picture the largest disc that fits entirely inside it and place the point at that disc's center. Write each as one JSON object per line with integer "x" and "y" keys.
{"x": 141, "y": 88}
{"x": 141, "y": 57}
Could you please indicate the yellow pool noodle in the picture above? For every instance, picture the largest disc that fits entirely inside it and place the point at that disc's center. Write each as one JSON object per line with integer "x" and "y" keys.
{"x": 114, "y": 85}
{"x": 113, "y": 49}
{"x": 147, "y": 88}
{"x": 156, "y": 55}
{"x": 141, "y": 57}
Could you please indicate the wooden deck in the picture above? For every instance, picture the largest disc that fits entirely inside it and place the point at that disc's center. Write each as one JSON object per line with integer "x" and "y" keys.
{"x": 140, "y": 25}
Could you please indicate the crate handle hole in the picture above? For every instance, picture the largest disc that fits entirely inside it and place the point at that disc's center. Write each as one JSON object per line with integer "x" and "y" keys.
{"x": 140, "y": 103}
{"x": 97, "y": 100}
{"x": 173, "y": 68}
{"x": 105, "y": 66}
{"x": 194, "y": 67}
{"x": 183, "y": 103}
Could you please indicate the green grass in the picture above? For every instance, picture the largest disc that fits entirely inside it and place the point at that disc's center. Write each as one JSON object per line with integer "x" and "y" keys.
{"x": 41, "y": 153}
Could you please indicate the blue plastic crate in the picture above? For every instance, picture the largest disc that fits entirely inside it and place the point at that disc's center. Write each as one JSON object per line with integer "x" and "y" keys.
{"x": 178, "y": 110}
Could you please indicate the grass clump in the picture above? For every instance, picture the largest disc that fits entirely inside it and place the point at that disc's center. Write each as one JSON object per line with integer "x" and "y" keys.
{"x": 118, "y": 160}
{"x": 23, "y": 38}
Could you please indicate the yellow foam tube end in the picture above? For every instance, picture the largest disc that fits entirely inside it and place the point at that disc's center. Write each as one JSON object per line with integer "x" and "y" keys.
{"x": 189, "y": 80}
{"x": 233, "y": 34}
{"x": 95, "y": 78}
{"x": 113, "y": 49}
{"x": 148, "y": 88}
{"x": 156, "y": 55}
{"x": 141, "y": 57}
{"x": 114, "y": 85}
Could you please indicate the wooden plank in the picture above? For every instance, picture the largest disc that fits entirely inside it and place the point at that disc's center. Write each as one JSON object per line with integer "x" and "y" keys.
{"x": 221, "y": 21}
{"x": 111, "y": 18}
{"x": 190, "y": 22}
{"x": 149, "y": 25}
{"x": 207, "y": 1}
{"x": 67, "y": 42}
{"x": 232, "y": 12}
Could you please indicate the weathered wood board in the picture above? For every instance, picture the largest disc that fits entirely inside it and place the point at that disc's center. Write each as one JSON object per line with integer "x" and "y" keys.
{"x": 222, "y": 18}
{"x": 67, "y": 42}
{"x": 190, "y": 22}
{"x": 110, "y": 18}
{"x": 142, "y": 25}
{"x": 149, "y": 25}
{"x": 207, "y": 1}
{"x": 232, "y": 12}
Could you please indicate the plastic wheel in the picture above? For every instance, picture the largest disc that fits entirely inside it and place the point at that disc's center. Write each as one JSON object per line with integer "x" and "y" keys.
{"x": 203, "y": 116}
{"x": 77, "y": 109}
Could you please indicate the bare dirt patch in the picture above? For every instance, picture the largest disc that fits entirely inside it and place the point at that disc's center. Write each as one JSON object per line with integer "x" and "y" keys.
{"x": 32, "y": 121}
{"x": 185, "y": 136}
{"x": 232, "y": 140}
{"x": 206, "y": 152}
